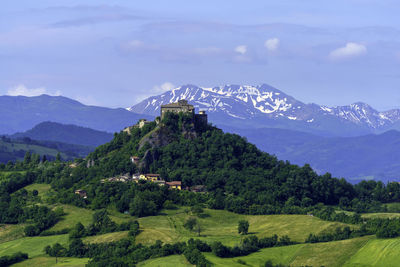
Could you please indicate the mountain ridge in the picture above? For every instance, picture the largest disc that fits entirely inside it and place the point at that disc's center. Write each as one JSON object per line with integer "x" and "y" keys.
{"x": 21, "y": 113}
{"x": 265, "y": 106}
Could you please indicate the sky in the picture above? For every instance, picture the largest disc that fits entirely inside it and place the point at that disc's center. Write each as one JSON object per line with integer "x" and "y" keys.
{"x": 116, "y": 53}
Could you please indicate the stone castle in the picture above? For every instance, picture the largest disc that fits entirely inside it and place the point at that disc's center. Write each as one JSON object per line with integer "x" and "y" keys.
{"x": 185, "y": 107}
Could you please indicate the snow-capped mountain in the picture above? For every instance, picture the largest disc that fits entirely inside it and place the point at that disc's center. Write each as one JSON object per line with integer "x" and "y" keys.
{"x": 266, "y": 106}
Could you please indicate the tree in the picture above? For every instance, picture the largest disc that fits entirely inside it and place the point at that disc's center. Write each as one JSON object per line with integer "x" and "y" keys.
{"x": 190, "y": 223}
{"x": 78, "y": 231}
{"x": 134, "y": 229}
{"x": 31, "y": 230}
{"x": 197, "y": 210}
{"x": 27, "y": 158}
{"x": 141, "y": 207}
{"x": 58, "y": 157}
{"x": 243, "y": 227}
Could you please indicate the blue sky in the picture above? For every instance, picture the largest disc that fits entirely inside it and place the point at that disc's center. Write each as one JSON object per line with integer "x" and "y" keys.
{"x": 115, "y": 53}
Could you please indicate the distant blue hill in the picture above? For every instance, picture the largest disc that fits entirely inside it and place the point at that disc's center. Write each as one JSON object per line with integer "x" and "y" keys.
{"x": 354, "y": 158}
{"x": 20, "y": 113}
{"x": 71, "y": 134}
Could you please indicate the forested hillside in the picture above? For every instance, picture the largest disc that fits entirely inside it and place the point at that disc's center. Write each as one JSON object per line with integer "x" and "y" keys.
{"x": 238, "y": 178}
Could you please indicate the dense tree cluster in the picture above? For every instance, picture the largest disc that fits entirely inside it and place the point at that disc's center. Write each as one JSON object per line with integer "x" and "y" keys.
{"x": 15, "y": 258}
{"x": 249, "y": 245}
{"x": 13, "y": 208}
{"x": 126, "y": 253}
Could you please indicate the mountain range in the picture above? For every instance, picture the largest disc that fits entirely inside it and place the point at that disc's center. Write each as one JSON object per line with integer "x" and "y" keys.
{"x": 347, "y": 141}
{"x": 263, "y": 106}
{"x": 20, "y": 113}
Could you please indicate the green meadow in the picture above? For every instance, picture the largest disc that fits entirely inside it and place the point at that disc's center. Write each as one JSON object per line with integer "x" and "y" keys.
{"x": 221, "y": 225}
{"x": 377, "y": 252}
{"x": 335, "y": 253}
{"x": 9, "y": 232}
{"x": 32, "y": 245}
{"x": 175, "y": 260}
{"x": 50, "y": 262}
{"x": 216, "y": 225}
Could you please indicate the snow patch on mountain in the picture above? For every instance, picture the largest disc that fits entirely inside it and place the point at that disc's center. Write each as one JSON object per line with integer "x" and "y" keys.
{"x": 263, "y": 101}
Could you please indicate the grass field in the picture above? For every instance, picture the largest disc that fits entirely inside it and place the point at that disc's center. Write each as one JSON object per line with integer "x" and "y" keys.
{"x": 329, "y": 254}
{"x": 106, "y": 238}
{"x": 9, "y": 232}
{"x": 218, "y": 225}
{"x": 282, "y": 255}
{"x": 32, "y": 245}
{"x": 50, "y": 262}
{"x": 393, "y": 207}
{"x": 381, "y": 215}
{"x": 377, "y": 252}
{"x": 222, "y": 226}
{"x": 41, "y": 188}
{"x": 175, "y": 260}
{"x": 72, "y": 217}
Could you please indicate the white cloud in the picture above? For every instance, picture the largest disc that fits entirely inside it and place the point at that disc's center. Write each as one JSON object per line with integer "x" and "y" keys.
{"x": 348, "y": 51}
{"x": 138, "y": 45}
{"x": 22, "y": 90}
{"x": 241, "y": 49}
{"x": 167, "y": 86}
{"x": 272, "y": 44}
{"x": 135, "y": 44}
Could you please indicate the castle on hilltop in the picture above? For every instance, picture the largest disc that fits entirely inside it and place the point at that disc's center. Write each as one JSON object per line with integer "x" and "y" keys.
{"x": 185, "y": 107}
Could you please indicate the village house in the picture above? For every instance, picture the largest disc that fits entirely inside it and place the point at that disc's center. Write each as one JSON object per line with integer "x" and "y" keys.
{"x": 152, "y": 177}
{"x": 81, "y": 193}
{"x": 160, "y": 182}
{"x": 198, "y": 189}
{"x": 174, "y": 185}
{"x": 143, "y": 122}
{"x": 73, "y": 165}
{"x": 135, "y": 159}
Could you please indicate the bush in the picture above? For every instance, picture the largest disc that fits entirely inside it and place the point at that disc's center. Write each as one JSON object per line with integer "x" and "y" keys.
{"x": 31, "y": 230}
{"x": 243, "y": 227}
